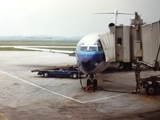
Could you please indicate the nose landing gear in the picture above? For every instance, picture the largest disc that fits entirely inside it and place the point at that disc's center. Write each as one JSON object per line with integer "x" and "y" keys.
{"x": 91, "y": 83}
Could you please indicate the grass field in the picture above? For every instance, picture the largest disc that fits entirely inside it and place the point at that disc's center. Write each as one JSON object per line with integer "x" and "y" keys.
{"x": 37, "y": 43}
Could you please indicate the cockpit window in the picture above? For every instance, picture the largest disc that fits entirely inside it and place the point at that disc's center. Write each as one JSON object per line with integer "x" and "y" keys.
{"x": 89, "y": 48}
{"x": 93, "y": 48}
{"x": 83, "y": 48}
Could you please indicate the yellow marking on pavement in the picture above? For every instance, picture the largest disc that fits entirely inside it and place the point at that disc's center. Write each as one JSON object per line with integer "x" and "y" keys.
{"x": 151, "y": 98}
{"x": 3, "y": 117}
{"x": 148, "y": 98}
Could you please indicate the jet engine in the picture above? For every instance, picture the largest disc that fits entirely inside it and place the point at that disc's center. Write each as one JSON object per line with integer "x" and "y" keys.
{"x": 111, "y": 27}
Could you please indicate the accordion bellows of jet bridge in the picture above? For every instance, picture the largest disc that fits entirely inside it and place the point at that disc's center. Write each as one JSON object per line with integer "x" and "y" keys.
{"x": 108, "y": 44}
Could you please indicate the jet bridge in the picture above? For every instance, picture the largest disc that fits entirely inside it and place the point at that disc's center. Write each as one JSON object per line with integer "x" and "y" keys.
{"x": 138, "y": 43}
{"x": 123, "y": 44}
{"x": 151, "y": 42}
{"x": 132, "y": 43}
{"x": 117, "y": 45}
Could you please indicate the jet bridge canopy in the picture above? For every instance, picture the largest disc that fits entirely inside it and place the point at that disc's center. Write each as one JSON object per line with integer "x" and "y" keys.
{"x": 108, "y": 44}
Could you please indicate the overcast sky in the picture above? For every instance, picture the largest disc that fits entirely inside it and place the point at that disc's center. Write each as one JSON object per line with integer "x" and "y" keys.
{"x": 68, "y": 17}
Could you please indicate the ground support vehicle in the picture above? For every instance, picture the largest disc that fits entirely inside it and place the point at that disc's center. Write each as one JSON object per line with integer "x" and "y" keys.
{"x": 70, "y": 71}
{"x": 151, "y": 84}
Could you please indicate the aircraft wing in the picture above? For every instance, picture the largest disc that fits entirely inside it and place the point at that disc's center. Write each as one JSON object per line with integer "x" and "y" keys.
{"x": 70, "y": 53}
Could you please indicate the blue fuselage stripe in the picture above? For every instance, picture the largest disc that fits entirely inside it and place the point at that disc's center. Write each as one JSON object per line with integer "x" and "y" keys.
{"x": 94, "y": 57}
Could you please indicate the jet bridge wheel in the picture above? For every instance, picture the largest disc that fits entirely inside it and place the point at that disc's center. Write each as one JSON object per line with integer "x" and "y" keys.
{"x": 127, "y": 66}
{"x": 151, "y": 89}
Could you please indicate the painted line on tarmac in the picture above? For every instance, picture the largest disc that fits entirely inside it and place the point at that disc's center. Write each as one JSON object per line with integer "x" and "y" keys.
{"x": 83, "y": 102}
{"x": 4, "y": 117}
{"x": 35, "y": 85}
{"x": 105, "y": 98}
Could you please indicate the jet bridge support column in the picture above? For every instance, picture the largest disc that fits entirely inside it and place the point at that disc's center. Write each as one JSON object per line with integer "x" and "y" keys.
{"x": 137, "y": 76}
{"x": 137, "y": 22}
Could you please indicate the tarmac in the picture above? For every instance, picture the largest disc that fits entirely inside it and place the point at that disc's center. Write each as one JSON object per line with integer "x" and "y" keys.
{"x": 26, "y": 96}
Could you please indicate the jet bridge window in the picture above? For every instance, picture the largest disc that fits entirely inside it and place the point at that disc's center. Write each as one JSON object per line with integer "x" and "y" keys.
{"x": 119, "y": 41}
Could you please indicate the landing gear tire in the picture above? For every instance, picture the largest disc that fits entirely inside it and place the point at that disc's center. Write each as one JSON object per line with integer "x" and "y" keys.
{"x": 151, "y": 89}
{"x": 46, "y": 74}
{"x": 74, "y": 75}
{"x": 91, "y": 83}
{"x": 95, "y": 83}
{"x": 127, "y": 66}
{"x": 88, "y": 82}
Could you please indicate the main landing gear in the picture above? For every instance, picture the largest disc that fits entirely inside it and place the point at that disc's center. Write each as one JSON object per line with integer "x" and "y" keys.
{"x": 91, "y": 83}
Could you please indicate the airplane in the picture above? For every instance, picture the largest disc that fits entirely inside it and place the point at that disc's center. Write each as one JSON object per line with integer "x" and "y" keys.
{"x": 90, "y": 55}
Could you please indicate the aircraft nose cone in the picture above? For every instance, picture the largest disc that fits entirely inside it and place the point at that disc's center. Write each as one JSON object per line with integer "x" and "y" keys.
{"x": 85, "y": 62}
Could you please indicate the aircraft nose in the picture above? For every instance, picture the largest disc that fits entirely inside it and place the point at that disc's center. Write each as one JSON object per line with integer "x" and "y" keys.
{"x": 85, "y": 62}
